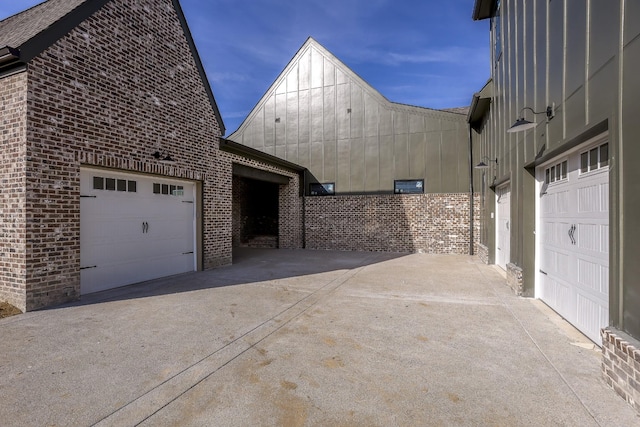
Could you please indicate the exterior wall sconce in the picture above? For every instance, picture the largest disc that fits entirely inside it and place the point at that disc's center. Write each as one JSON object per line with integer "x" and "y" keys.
{"x": 522, "y": 124}
{"x": 163, "y": 157}
{"x": 483, "y": 165}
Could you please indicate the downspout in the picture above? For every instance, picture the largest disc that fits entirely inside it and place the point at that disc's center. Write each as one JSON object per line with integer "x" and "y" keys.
{"x": 472, "y": 197}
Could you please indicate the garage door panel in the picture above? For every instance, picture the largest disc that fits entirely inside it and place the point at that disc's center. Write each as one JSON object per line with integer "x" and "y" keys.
{"x": 574, "y": 244}
{"x": 129, "y": 237}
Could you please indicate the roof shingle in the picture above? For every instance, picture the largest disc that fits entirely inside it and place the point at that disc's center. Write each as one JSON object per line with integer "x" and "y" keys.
{"x": 19, "y": 29}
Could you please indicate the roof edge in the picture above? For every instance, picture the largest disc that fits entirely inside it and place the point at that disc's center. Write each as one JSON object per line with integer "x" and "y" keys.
{"x": 46, "y": 38}
{"x": 233, "y": 147}
{"x": 196, "y": 57}
{"x": 483, "y": 9}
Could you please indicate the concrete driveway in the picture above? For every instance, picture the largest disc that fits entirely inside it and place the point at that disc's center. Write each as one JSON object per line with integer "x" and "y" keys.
{"x": 306, "y": 338}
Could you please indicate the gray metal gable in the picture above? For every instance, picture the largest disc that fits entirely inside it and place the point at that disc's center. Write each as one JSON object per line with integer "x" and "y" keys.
{"x": 320, "y": 114}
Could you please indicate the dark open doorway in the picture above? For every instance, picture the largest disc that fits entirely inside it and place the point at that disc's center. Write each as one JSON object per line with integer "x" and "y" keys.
{"x": 255, "y": 213}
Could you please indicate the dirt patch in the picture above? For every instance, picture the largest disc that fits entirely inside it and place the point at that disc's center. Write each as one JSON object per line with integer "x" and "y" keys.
{"x": 7, "y": 310}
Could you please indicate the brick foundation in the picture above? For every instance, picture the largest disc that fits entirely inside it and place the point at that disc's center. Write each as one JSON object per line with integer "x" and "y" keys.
{"x": 621, "y": 365}
{"x": 483, "y": 253}
{"x": 514, "y": 278}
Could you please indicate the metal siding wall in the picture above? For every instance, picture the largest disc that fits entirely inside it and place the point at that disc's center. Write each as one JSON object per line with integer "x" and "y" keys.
{"x": 417, "y": 155}
{"x": 433, "y": 179}
{"x": 449, "y": 158}
{"x": 386, "y": 163}
{"x": 372, "y": 164}
{"x": 631, "y": 173}
{"x": 357, "y": 165}
{"x": 322, "y": 116}
{"x": 603, "y": 69}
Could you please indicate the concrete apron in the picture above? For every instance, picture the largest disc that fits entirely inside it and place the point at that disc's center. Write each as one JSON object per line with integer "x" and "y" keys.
{"x": 295, "y": 338}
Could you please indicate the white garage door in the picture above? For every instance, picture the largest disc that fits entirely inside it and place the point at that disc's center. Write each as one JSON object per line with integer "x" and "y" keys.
{"x": 503, "y": 219}
{"x": 133, "y": 228}
{"x": 574, "y": 238}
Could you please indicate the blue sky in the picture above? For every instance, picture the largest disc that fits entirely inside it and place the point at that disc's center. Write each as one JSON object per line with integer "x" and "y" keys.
{"x": 420, "y": 52}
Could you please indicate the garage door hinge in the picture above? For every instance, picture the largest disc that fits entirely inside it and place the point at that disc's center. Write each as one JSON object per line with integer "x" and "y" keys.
{"x": 92, "y": 197}
{"x": 187, "y": 253}
{"x": 187, "y": 201}
{"x": 87, "y": 268}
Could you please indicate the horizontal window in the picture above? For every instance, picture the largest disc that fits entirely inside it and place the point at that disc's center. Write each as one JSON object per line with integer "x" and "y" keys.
{"x": 594, "y": 159}
{"x": 324, "y": 189}
{"x": 408, "y": 186}
{"x": 168, "y": 189}
{"x": 112, "y": 184}
{"x": 556, "y": 173}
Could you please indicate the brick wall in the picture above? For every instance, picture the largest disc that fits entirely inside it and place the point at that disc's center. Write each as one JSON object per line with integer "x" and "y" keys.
{"x": 621, "y": 365}
{"x": 483, "y": 253}
{"x": 114, "y": 90}
{"x": 13, "y": 123}
{"x": 290, "y": 204}
{"x": 239, "y": 193}
{"x": 430, "y": 223}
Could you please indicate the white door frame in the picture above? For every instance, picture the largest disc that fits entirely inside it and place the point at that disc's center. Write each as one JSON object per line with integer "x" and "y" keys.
{"x": 505, "y": 250}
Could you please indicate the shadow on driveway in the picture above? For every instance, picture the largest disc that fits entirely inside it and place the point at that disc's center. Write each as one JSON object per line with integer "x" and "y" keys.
{"x": 250, "y": 265}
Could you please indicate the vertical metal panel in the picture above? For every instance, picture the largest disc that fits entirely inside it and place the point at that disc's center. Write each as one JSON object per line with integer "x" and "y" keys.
{"x": 317, "y": 69}
{"x": 317, "y": 114}
{"x": 341, "y": 77}
{"x": 343, "y": 103}
{"x": 281, "y": 151}
{"x": 304, "y": 71}
{"x": 329, "y": 73}
{"x": 450, "y": 162}
{"x": 385, "y": 124}
{"x": 357, "y": 164}
{"x": 281, "y": 117}
{"x": 343, "y": 180}
{"x": 432, "y": 124}
{"x": 304, "y": 117}
{"x": 575, "y": 112}
{"x": 357, "y": 111}
{"x": 292, "y": 79}
{"x": 317, "y": 160}
{"x": 371, "y": 116}
{"x": 292, "y": 153}
{"x": 603, "y": 38}
{"x": 462, "y": 143}
{"x": 449, "y": 124}
{"x": 602, "y": 100}
{"x": 304, "y": 154}
{"x": 631, "y": 19}
{"x": 575, "y": 60}
{"x": 417, "y": 155}
{"x": 269, "y": 122}
{"x": 556, "y": 52}
{"x": 432, "y": 179}
{"x": 372, "y": 164}
{"x": 292, "y": 119}
{"x": 386, "y": 163}
{"x": 541, "y": 56}
{"x": 416, "y": 123}
{"x": 330, "y": 161}
{"x": 400, "y": 122}
{"x": 401, "y": 156}
{"x": 329, "y": 113}
{"x": 282, "y": 87}
{"x": 258, "y": 129}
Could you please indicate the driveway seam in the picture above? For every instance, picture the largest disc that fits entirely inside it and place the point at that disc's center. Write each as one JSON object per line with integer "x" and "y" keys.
{"x": 544, "y": 355}
{"x": 321, "y": 292}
